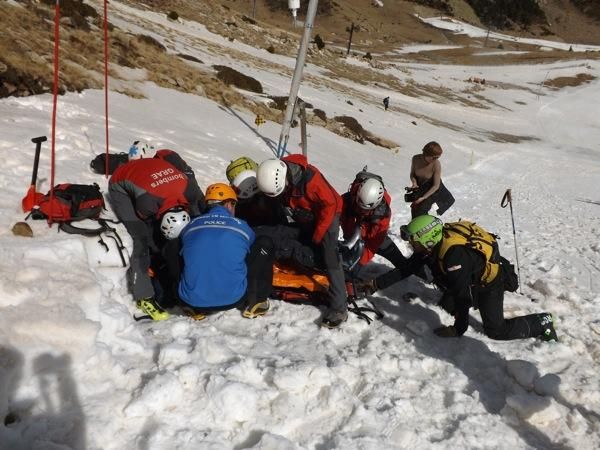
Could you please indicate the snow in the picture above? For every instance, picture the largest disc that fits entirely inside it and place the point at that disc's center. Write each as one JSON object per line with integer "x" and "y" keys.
{"x": 459, "y": 27}
{"x": 77, "y": 372}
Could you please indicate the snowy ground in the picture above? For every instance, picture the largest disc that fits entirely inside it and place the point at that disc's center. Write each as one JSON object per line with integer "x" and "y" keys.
{"x": 77, "y": 372}
{"x": 449, "y": 23}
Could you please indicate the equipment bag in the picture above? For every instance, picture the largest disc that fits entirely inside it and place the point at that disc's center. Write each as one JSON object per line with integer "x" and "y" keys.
{"x": 71, "y": 203}
{"x": 98, "y": 164}
{"x": 362, "y": 176}
{"x": 76, "y": 202}
{"x": 472, "y": 236}
{"x": 381, "y": 211}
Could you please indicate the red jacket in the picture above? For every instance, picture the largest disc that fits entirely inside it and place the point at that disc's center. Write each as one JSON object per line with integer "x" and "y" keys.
{"x": 147, "y": 187}
{"x": 374, "y": 224}
{"x": 310, "y": 196}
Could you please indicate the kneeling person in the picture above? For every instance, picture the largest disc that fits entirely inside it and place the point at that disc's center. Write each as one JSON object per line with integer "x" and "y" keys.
{"x": 469, "y": 276}
{"x": 224, "y": 266}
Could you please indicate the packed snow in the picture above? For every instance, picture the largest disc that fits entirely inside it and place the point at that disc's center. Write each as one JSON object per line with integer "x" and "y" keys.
{"x": 77, "y": 372}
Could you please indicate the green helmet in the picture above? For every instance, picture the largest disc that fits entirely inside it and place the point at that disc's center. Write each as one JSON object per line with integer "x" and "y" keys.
{"x": 237, "y": 166}
{"x": 426, "y": 230}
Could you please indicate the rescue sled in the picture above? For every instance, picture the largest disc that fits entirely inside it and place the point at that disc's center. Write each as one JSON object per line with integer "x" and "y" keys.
{"x": 295, "y": 283}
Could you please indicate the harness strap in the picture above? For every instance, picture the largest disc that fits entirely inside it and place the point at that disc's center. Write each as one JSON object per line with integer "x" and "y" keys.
{"x": 361, "y": 310}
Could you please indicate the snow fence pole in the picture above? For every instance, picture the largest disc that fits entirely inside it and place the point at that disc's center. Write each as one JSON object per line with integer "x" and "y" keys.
{"x": 507, "y": 200}
{"x": 300, "y": 59}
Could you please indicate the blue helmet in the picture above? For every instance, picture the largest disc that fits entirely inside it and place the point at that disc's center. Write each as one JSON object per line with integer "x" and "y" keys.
{"x": 140, "y": 149}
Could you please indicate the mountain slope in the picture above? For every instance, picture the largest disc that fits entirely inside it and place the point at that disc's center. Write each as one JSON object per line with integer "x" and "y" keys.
{"x": 77, "y": 372}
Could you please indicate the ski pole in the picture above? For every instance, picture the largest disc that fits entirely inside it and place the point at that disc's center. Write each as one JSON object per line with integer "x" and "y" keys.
{"x": 507, "y": 200}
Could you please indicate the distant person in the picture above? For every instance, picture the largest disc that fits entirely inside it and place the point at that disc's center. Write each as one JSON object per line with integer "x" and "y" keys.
{"x": 313, "y": 209}
{"x": 427, "y": 187}
{"x": 386, "y": 103}
{"x": 469, "y": 275}
{"x": 141, "y": 193}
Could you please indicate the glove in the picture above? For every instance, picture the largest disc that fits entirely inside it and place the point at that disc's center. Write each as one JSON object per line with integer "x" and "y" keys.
{"x": 446, "y": 332}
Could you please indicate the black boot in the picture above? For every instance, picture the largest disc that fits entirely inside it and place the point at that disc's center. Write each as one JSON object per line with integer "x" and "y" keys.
{"x": 334, "y": 319}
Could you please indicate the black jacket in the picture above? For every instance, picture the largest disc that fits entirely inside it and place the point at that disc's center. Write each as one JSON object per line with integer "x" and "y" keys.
{"x": 460, "y": 279}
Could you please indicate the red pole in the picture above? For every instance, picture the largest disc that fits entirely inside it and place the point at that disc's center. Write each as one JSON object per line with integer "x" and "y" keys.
{"x": 54, "y": 101}
{"x": 106, "y": 82}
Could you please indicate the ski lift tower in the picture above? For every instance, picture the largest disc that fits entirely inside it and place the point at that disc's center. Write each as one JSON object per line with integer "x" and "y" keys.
{"x": 296, "y": 79}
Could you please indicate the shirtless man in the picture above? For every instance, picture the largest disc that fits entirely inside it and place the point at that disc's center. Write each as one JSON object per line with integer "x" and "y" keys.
{"x": 426, "y": 178}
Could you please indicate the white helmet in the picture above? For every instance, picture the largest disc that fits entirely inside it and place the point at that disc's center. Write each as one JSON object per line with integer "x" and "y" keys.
{"x": 140, "y": 149}
{"x": 370, "y": 194}
{"x": 245, "y": 184}
{"x": 271, "y": 177}
{"x": 173, "y": 222}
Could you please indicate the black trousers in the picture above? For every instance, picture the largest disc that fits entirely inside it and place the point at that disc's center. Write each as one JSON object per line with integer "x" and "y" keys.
{"x": 143, "y": 247}
{"x": 260, "y": 270}
{"x": 390, "y": 251}
{"x": 294, "y": 243}
{"x": 442, "y": 197}
{"x": 491, "y": 307}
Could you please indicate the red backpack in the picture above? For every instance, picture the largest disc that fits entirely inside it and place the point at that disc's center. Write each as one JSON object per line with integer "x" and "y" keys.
{"x": 71, "y": 203}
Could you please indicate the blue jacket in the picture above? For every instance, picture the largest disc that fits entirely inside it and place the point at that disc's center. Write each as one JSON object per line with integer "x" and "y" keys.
{"x": 214, "y": 247}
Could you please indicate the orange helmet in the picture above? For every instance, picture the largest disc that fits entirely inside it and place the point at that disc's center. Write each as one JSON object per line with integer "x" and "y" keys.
{"x": 219, "y": 192}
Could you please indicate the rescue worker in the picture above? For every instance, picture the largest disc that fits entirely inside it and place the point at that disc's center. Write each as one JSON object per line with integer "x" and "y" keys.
{"x": 141, "y": 192}
{"x": 366, "y": 205}
{"x": 236, "y": 166}
{"x": 223, "y": 265}
{"x": 313, "y": 210}
{"x": 468, "y": 277}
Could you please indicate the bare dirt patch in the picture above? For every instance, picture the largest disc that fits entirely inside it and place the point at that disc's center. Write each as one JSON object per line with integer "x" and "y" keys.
{"x": 231, "y": 76}
{"x": 505, "y": 138}
{"x": 561, "y": 82}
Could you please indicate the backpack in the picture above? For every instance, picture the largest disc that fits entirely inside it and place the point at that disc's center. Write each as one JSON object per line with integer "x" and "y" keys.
{"x": 71, "y": 203}
{"x": 76, "y": 202}
{"x": 375, "y": 214}
{"x": 471, "y": 235}
{"x": 362, "y": 176}
{"x": 98, "y": 164}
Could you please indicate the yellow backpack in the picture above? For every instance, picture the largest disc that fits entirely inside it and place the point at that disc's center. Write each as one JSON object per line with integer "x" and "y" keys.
{"x": 471, "y": 235}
